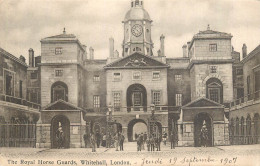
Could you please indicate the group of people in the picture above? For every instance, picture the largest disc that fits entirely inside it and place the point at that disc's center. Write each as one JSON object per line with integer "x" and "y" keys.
{"x": 98, "y": 139}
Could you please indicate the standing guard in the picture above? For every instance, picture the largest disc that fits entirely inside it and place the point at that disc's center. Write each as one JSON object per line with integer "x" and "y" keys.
{"x": 60, "y": 137}
{"x": 204, "y": 135}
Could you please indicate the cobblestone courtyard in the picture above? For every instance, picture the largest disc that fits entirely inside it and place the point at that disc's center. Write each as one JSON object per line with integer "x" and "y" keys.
{"x": 219, "y": 155}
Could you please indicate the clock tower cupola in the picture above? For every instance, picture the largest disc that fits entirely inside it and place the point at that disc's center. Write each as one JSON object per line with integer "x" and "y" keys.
{"x": 137, "y": 30}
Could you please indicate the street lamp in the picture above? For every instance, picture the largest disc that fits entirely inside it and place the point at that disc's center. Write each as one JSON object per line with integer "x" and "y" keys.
{"x": 109, "y": 121}
{"x": 152, "y": 120}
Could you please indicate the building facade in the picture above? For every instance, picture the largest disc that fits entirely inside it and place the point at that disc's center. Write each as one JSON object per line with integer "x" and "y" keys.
{"x": 139, "y": 91}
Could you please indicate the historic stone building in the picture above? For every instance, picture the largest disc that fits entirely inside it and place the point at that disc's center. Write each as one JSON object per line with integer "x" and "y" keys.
{"x": 244, "y": 111}
{"x": 18, "y": 116}
{"x": 138, "y": 91}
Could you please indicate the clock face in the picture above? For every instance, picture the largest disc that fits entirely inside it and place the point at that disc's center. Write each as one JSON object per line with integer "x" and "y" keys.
{"x": 137, "y": 30}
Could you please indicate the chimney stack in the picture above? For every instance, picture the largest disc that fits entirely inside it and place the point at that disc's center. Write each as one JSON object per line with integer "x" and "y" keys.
{"x": 111, "y": 47}
{"x": 22, "y": 58}
{"x": 31, "y": 57}
{"x": 184, "y": 48}
{"x": 244, "y": 50}
{"x": 162, "y": 45}
{"x": 91, "y": 53}
{"x": 116, "y": 54}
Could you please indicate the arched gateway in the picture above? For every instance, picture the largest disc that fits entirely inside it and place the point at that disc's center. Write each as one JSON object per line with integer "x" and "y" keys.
{"x": 198, "y": 123}
{"x": 136, "y": 126}
{"x": 65, "y": 124}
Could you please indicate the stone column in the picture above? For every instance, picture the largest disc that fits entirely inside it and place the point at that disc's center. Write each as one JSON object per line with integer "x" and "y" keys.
{"x": 124, "y": 131}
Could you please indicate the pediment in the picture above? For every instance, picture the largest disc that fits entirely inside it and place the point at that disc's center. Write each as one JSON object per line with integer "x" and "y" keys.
{"x": 203, "y": 102}
{"x": 61, "y": 105}
{"x": 136, "y": 60}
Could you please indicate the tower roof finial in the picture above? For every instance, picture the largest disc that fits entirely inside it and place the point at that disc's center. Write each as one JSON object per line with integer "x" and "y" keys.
{"x": 64, "y": 31}
{"x": 208, "y": 27}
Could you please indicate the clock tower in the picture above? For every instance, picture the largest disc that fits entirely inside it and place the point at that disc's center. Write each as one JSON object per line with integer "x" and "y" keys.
{"x": 137, "y": 30}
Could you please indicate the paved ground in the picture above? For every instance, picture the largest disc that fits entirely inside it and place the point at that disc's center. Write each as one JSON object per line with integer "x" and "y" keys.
{"x": 220, "y": 155}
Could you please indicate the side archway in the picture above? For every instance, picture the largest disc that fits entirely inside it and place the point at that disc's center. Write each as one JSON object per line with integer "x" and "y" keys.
{"x": 56, "y": 122}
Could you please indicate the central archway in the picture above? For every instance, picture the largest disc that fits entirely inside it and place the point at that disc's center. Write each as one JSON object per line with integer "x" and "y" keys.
{"x": 198, "y": 123}
{"x": 136, "y": 97}
{"x": 136, "y": 126}
{"x": 65, "y": 123}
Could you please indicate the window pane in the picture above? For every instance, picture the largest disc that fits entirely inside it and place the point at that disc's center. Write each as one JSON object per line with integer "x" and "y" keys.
{"x": 156, "y": 97}
{"x": 156, "y": 75}
{"x": 96, "y": 78}
{"x": 58, "y": 50}
{"x": 178, "y": 77}
{"x": 213, "y": 47}
{"x": 117, "y": 100}
{"x": 58, "y": 73}
{"x": 96, "y": 101}
{"x": 214, "y": 94}
{"x": 178, "y": 98}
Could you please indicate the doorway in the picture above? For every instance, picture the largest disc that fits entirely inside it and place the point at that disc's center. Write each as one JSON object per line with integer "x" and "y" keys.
{"x": 135, "y": 127}
{"x": 198, "y": 123}
{"x": 65, "y": 124}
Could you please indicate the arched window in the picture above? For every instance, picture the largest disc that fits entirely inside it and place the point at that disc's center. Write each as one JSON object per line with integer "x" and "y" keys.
{"x": 214, "y": 90}
{"x": 59, "y": 90}
{"x": 237, "y": 127}
{"x": 248, "y": 125}
{"x": 242, "y": 126}
{"x": 256, "y": 128}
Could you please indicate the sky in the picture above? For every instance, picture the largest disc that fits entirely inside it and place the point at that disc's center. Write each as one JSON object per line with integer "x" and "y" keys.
{"x": 24, "y": 23}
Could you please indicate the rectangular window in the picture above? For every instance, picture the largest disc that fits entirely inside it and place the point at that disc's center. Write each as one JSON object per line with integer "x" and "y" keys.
{"x": 117, "y": 76}
{"x": 117, "y": 100}
{"x": 156, "y": 100}
{"x": 58, "y": 51}
{"x": 34, "y": 97}
{"x": 58, "y": 73}
{"x": 178, "y": 77}
{"x": 34, "y": 75}
{"x": 156, "y": 75}
{"x": 9, "y": 85}
{"x": 96, "y": 101}
{"x": 21, "y": 89}
{"x": 248, "y": 85}
{"x": 213, "y": 69}
{"x": 213, "y": 47}
{"x": 126, "y": 49}
{"x": 96, "y": 78}
{"x": 214, "y": 94}
{"x": 136, "y": 75}
{"x": 178, "y": 99}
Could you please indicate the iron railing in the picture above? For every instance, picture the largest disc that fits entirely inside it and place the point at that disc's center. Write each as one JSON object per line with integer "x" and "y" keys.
{"x": 19, "y": 101}
{"x": 250, "y": 97}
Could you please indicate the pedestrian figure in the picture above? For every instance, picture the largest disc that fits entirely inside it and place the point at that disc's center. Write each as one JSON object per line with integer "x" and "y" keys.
{"x": 85, "y": 137}
{"x": 145, "y": 138}
{"x": 204, "y": 135}
{"x": 152, "y": 142}
{"x": 93, "y": 142}
{"x": 60, "y": 137}
{"x": 98, "y": 138}
{"x": 116, "y": 141}
{"x": 136, "y": 136}
{"x": 164, "y": 138}
{"x": 139, "y": 143}
{"x": 104, "y": 140}
{"x": 148, "y": 144}
{"x": 159, "y": 142}
{"x": 142, "y": 141}
{"x": 172, "y": 137}
{"x": 121, "y": 141}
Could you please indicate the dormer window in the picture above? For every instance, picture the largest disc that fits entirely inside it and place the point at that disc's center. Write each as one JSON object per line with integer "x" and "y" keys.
{"x": 213, "y": 47}
{"x": 58, "y": 51}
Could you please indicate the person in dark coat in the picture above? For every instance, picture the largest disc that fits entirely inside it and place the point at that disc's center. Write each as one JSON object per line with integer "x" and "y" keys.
{"x": 93, "y": 142}
{"x": 164, "y": 137}
{"x": 139, "y": 143}
{"x": 152, "y": 142}
{"x": 98, "y": 139}
{"x": 85, "y": 137}
{"x": 142, "y": 141}
{"x": 121, "y": 141}
{"x": 172, "y": 138}
{"x": 148, "y": 144}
